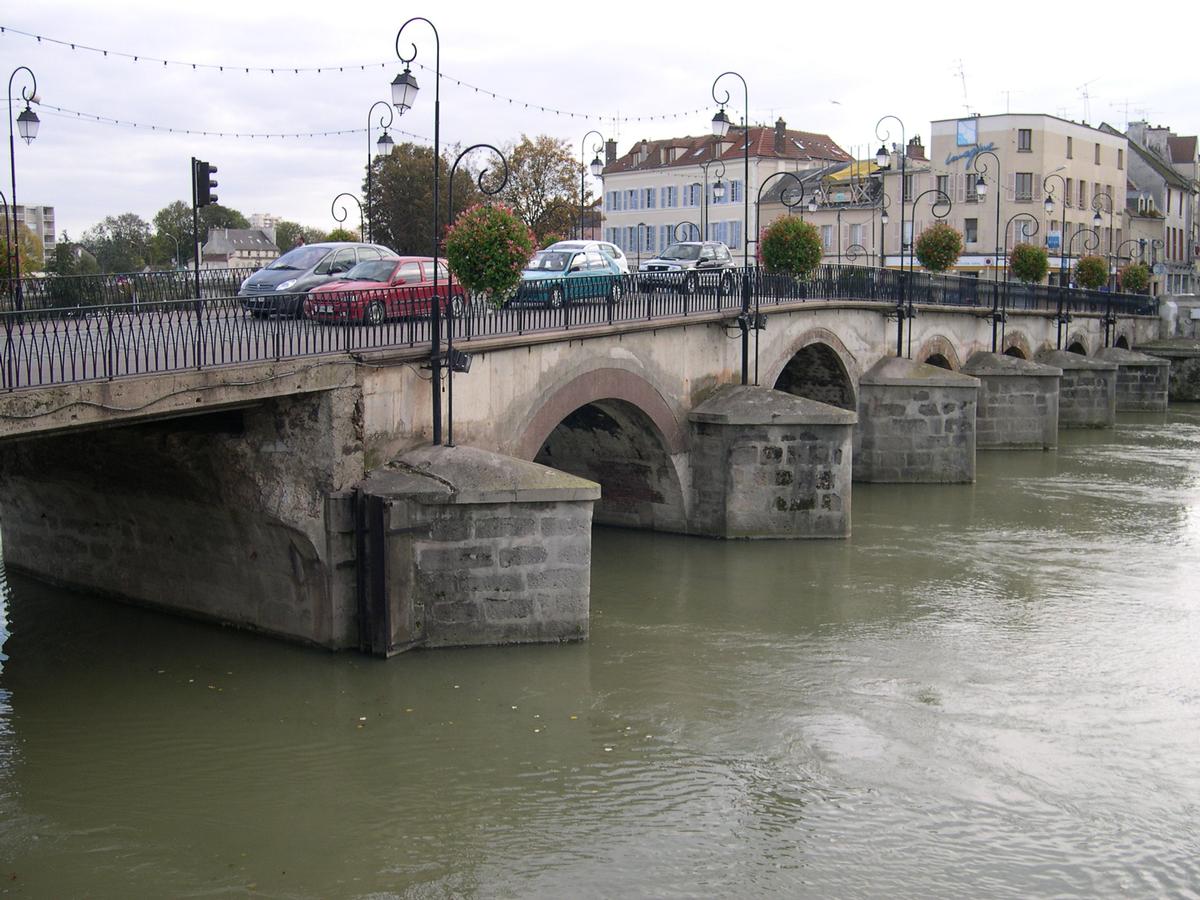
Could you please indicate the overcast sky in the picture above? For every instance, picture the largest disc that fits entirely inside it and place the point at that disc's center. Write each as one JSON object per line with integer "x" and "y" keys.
{"x": 834, "y": 68}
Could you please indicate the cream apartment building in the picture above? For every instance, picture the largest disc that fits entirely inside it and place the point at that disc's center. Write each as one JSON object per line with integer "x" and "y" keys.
{"x": 663, "y": 189}
{"x": 1083, "y": 169}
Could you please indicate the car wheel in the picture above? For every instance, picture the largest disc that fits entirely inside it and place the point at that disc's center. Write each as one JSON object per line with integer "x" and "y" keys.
{"x": 375, "y": 313}
{"x": 615, "y": 291}
{"x": 555, "y": 299}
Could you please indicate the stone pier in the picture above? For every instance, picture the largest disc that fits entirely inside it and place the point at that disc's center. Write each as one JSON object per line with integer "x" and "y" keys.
{"x": 1087, "y": 393}
{"x": 1142, "y": 380}
{"x": 916, "y": 424}
{"x": 1184, "y": 356}
{"x": 767, "y": 464}
{"x": 1018, "y": 402}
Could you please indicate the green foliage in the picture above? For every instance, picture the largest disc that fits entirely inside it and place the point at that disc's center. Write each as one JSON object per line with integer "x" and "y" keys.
{"x": 288, "y": 235}
{"x": 175, "y": 219}
{"x": 1029, "y": 263}
{"x": 342, "y": 234}
{"x": 30, "y": 247}
{"x": 487, "y": 247}
{"x": 119, "y": 243}
{"x": 1135, "y": 278}
{"x": 543, "y": 186}
{"x": 790, "y": 245}
{"x": 938, "y": 247}
{"x": 1091, "y": 272}
{"x": 400, "y": 202}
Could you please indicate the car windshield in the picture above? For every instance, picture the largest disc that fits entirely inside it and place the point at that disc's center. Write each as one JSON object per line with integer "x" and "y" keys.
{"x": 300, "y": 258}
{"x": 375, "y": 270}
{"x": 548, "y": 261}
{"x": 681, "y": 251}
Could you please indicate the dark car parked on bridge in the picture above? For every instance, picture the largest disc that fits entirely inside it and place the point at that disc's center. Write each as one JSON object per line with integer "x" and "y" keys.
{"x": 688, "y": 266}
{"x": 279, "y": 287}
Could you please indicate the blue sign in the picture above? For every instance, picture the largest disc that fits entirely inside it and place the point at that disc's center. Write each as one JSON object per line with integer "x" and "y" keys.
{"x": 1053, "y": 241}
{"x": 969, "y": 155}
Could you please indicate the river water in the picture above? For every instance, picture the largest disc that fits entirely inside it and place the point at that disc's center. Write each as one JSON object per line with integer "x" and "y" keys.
{"x": 988, "y": 691}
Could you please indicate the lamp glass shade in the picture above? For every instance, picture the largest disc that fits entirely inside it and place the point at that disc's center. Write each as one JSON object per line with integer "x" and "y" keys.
{"x": 883, "y": 217}
{"x": 384, "y": 145}
{"x": 1048, "y": 205}
{"x": 1096, "y": 220}
{"x": 597, "y": 167}
{"x": 27, "y": 125}
{"x": 719, "y": 190}
{"x": 981, "y": 187}
{"x": 882, "y": 157}
{"x": 720, "y": 123}
{"x": 404, "y": 91}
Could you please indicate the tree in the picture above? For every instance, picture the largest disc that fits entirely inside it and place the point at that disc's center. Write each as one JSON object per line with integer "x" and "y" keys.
{"x": 939, "y": 247}
{"x": 342, "y": 234}
{"x": 401, "y": 198}
{"x": 175, "y": 219}
{"x": 119, "y": 243}
{"x": 1091, "y": 272}
{"x": 30, "y": 247}
{"x": 790, "y": 245}
{"x": 543, "y": 185}
{"x": 486, "y": 248}
{"x": 1029, "y": 263}
{"x": 288, "y": 235}
{"x": 1135, "y": 278}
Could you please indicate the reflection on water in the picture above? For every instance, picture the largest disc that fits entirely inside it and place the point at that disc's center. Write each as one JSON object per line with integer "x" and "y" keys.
{"x": 989, "y": 690}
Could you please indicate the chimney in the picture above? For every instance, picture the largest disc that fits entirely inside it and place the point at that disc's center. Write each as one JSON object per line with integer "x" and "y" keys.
{"x": 610, "y": 152}
{"x": 780, "y": 135}
{"x": 1137, "y": 132}
{"x": 916, "y": 150}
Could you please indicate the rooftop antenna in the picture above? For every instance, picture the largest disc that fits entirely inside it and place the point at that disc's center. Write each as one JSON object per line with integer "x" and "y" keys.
{"x": 1087, "y": 99}
{"x": 962, "y": 74}
{"x": 1008, "y": 100}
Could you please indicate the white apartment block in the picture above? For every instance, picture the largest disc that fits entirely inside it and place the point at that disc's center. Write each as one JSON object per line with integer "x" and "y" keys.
{"x": 663, "y": 190}
{"x": 264, "y": 220}
{"x": 39, "y": 220}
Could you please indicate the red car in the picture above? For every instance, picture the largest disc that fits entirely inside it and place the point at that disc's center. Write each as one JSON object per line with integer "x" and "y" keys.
{"x": 382, "y": 289}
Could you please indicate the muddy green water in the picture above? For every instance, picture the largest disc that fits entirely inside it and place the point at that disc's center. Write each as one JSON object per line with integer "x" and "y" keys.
{"x": 989, "y": 691}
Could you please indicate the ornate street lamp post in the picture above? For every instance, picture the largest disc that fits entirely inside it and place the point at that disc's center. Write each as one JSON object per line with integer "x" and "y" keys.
{"x": 404, "y": 94}
{"x": 455, "y": 363}
{"x": 383, "y": 147}
{"x": 596, "y": 168}
{"x": 691, "y": 231}
{"x": 718, "y": 194}
{"x": 905, "y": 310}
{"x": 1098, "y": 207}
{"x": 796, "y": 199}
{"x": 1091, "y": 240}
{"x": 883, "y": 160}
{"x": 1001, "y": 315}
{"x": 340, "y": 213}
{"x": 721, "y": 126}
{"x": 27, "y": 125}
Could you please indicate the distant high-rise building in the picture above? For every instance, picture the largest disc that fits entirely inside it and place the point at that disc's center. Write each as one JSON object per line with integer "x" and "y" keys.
{"x": 264, "y": 220}
{"x": 39, "y": 220}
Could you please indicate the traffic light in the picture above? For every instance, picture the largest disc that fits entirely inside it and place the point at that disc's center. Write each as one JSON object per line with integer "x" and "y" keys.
{"x": 205, "y": 183}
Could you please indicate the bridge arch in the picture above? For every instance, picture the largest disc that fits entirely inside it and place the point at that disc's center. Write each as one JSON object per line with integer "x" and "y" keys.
{"x": 1016, "y": 344}
{"x": 939, "y": 351}
{"x": 1122, "y": 342}
{"x": 817, "y": 366}
{"x": 1078, "y": 343}
{"x": 611, "y": 426}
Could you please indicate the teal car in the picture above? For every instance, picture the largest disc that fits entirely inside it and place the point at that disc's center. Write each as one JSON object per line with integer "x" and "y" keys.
{"x": 556, "y": 277}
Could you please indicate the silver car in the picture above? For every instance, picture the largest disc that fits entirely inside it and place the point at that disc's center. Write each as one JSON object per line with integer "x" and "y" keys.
{"x": 612, "y": 251}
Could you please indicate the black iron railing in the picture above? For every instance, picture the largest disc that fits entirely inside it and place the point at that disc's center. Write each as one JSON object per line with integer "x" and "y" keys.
{"x": 47, "y": 345}
{"x": 130, "y": 289}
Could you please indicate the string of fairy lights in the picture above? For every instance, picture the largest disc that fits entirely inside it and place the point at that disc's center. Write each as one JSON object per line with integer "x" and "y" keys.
{"x": 320, "y": 70}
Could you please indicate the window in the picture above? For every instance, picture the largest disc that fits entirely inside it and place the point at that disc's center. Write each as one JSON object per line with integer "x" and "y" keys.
{"x": 1097, "y": 154}
{"x": 735, "y": 191}
{"x": 970, "y": 230}
{"x": 1120, "y": 158}
{"x": 1025, "y": 140}
{"x": 1024, "y": 186}
{"x": 908, "y": 185}
{"x": 1082, "y": 194}
{"x": 1070, "y": 148}
{"x": 856, "y": 234}
{"x": 827, "y": 236}
{"x": 410, "y": 273}
{"x": 650, "y": 238}
{"x": 735, "y": 234}
{"x": 972, "y": 179}
{"x": 596, "y": 261}
{"x": 650, "y": 197}
{"x": 943, "y": 184}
